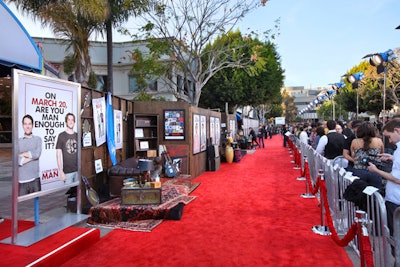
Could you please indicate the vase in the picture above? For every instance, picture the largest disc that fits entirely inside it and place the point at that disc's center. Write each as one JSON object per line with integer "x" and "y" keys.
{"x": 229, "y": 154}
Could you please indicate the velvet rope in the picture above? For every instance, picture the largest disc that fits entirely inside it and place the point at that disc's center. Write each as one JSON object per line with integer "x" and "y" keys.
{"x": 353, "y": 229}
{"x": 312, "y": 190}
{"x": 303, "y": 171}
{"x": 366, "y": 252}
{"x": 298, "y": 159}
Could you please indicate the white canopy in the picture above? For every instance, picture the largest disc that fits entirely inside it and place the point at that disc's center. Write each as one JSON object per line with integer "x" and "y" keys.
{"x": 17, "y": 49}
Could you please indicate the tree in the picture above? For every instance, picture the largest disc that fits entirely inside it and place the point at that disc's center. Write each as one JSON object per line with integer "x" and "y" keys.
{"x": 288, "y": 106}
{"x": 257, "y": 85}
{"x": 371, "y": 89}
{"x": 120, "y": 11}
{"x": 187, "y": 27}
{"x": 74, "y": 21}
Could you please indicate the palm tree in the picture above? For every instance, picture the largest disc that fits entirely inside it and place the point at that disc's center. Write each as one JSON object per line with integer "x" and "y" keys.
{"x": 74, "y": 21}
{"x": 120, "y": 11}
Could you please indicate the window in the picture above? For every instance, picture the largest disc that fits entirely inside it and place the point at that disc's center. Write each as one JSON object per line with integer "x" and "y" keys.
{"x": 133, "y": 87}
{"x": 101, "y": 83}
{"x": 153, "y": 85}
{"x": 179, "y": 83}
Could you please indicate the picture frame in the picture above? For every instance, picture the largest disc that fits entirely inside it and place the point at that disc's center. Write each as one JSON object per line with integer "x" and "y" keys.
{"x": 144, "y": 145}
{"x": 174, "y": 124}
{"x": 139, "y": 133}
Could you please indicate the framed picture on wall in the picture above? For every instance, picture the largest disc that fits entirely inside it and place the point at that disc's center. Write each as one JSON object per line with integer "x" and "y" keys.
{"x": 174, "y": 124}
{"x": 196, "y": 133}
{"x": 212, "y": 130}
{"x": 203, "y": 133}
{"x": 217, "y": 126}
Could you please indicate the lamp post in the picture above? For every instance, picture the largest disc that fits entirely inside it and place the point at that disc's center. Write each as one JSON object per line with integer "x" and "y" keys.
{"x": 354, "y": 79}
{"x": 335, "y": 88}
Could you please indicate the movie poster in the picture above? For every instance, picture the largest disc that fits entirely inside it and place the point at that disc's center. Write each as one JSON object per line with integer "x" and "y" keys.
{"x": 196, "y": 133}
{"x": 99, "y": 120}
{"x": 203, "y": 133}
{"x": 118, "y": 128}
{"x": 212, "y": 130}
{"x": 44, "y": 105}
{"x": 217, "y": 131}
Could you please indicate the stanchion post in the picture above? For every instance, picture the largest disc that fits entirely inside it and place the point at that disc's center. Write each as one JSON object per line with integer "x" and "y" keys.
{"x": 307, "y": 194}
{"x": 297, "y": 160}
{"x": 362, "y": 221}
{"x": 321, "y": 229}
{"x": 294, "y": 154}
{"x": 303, "y": 170}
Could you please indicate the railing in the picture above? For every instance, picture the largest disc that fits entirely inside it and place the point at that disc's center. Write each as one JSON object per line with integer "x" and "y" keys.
{"x": 366, "y": 232}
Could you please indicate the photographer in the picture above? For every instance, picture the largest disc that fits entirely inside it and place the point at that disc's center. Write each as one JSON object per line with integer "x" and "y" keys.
{"x": 392, "y": 197}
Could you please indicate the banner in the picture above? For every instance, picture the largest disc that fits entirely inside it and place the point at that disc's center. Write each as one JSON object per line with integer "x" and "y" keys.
{"x": 110, "y": 129}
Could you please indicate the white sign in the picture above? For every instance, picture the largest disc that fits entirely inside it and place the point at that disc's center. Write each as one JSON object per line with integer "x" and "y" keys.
{"x": 279, "y": 120}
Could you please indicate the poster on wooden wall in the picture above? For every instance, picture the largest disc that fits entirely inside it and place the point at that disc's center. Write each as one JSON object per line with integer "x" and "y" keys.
{"x": 203, "y": 133}
{"x": 212, "y": 130}
{"x": 174, "y": 124}
{"x": 217, "y": 131}
{"x": 99, "y": 119}
{"x": 196, "y": 133}
{"x": 118, "y": 129}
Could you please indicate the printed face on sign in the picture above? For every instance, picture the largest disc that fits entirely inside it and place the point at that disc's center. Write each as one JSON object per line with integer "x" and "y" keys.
{"x": 70, "y": 122}
{"x": 27, "y": 125}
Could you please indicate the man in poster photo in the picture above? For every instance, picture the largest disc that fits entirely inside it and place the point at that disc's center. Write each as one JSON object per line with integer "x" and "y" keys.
{"x": 30, "y": 148}
{"x": 67, "y": 152}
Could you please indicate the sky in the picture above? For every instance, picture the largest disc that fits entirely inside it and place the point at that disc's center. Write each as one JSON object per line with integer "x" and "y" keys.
{"x": 319, "y": 40}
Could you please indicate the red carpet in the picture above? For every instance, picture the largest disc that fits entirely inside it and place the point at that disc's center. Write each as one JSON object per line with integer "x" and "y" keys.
{"x": 246, "y": 214}
{"x": 5, "y": 227}
{"x": 60, "y": 247}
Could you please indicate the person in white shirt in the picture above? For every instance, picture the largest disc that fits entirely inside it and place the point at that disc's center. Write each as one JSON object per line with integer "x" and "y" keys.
{"x": 392, "y": 193}
{"x": 303, "y": 136}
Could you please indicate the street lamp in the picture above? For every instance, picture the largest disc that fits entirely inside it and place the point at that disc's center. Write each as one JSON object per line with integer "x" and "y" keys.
{"x": 354, "y": 79}
{"x": 377, "y": 60}
{"x": 335, "y": 89}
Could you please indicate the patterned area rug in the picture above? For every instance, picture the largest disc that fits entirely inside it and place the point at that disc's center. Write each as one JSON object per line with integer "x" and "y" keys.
{"x": 143, "y": 218}
{"x": 185, "y": 181}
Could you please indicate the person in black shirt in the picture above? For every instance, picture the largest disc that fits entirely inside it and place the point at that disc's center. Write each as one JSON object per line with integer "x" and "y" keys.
{"x": 331, "y": 145}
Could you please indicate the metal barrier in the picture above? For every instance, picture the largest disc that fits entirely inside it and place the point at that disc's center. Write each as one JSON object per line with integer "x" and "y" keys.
{"x": 345, "y": 215}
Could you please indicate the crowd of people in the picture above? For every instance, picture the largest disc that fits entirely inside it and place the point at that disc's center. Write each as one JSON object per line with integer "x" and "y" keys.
{"x": 372, "y": 152}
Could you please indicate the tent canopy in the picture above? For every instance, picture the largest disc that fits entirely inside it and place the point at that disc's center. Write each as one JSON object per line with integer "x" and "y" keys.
{"x": 17, "y": 49}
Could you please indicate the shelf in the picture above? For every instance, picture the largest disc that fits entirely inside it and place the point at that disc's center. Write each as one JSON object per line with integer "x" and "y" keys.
{"x": 144, "y": 134}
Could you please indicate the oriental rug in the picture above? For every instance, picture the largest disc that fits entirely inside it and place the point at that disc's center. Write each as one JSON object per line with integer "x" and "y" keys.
{"x": 183, "y": 181}
{"x": 142, "y": 218}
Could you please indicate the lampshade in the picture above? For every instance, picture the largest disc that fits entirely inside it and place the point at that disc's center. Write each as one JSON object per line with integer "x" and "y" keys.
{"x": 351, "y": 79}
{"x": 145, "y": 165}
{"x": 376, "y": 60}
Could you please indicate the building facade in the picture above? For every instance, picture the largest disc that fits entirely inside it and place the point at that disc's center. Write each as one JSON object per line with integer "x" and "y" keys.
{"x": 303, "y": 97}
{"x": 124, "y": 84}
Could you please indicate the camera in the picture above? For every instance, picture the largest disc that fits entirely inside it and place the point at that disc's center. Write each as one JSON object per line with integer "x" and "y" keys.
{"x": 385, "y": 166}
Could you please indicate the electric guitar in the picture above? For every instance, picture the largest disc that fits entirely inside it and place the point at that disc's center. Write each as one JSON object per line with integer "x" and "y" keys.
{"x": 170, "y": 169}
